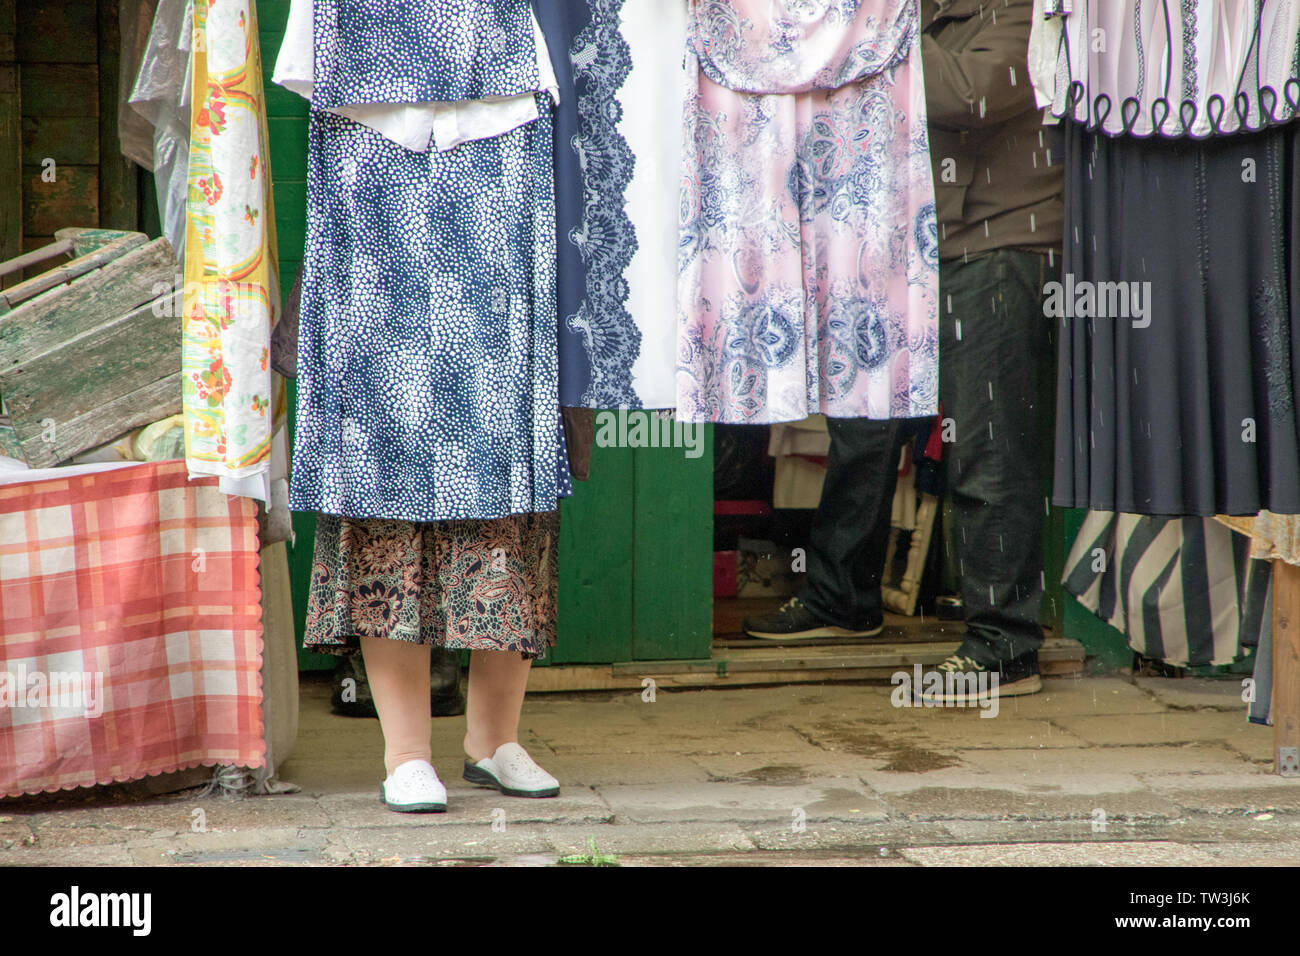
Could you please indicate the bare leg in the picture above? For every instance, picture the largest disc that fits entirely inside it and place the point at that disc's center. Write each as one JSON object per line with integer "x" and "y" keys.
{"x": 398, "y": 672}
{"x": 497, "y": 680}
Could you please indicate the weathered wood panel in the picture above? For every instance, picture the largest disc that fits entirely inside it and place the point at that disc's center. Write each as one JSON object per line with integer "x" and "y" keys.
{"x": 1284, "y": 709}
{"x": 89, "y": 256}
{"x": 119, "y": 205}
{"x": 9, "y": 445}
{"x": 69, "y": 140}
{"x": 57, "y": 31}
{"x": 103, "y": 423}
{"x": 59, "y": 89}
{"x": 11, "y": 207}
{"x": 72, "y": 197}
{"x": 71, "y": 398}
{"x": 46, "y": 322}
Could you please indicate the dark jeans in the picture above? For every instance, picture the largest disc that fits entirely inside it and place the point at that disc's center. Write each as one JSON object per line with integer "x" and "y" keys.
{"x": 993, "y": 351}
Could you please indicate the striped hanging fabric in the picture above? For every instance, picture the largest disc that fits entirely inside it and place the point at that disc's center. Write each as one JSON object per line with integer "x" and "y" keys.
{"x": 1183, "y": 590}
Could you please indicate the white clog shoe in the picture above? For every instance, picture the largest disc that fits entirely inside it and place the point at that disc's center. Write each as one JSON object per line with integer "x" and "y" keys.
{"x": 414, "y": 787}
{"x": 513, "y": 772}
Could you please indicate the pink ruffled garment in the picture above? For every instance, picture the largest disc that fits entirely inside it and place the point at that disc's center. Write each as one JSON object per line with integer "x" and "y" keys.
{"x": 809, "y": 248}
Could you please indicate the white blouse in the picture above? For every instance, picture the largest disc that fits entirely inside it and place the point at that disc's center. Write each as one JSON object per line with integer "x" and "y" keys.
{"x": 417, "y": 126}
{"x": 1174, "y": 67}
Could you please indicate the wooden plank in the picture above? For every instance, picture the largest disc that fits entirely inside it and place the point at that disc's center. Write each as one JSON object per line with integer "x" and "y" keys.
{"x": 11, "y": 203}
{"x": 18, "y": 263}
{"x": 1284, "y": 709}
{"x": 10, "y": 447}
{"x": 104, "y": 422}
{"x": 119, "y": 202}
{"x": 121, "y": 356}
{"x": 47, "y": 321}
{"x": 73, "y": 196}
{"x": 596, "y": 528}
{"x": 673, "y": 542}
{"x": 59, "y": 89}
{"x": 32, "y": 243}
{"x": 868, "y": 654}
{"x": 602, "y": 678}
{"x": 56, "y": 31}
{"x": 63, "y": 272}
{"x": 71, "y": 140}
{"x": 86, "y": 239}
{"x": 892, "y": 635}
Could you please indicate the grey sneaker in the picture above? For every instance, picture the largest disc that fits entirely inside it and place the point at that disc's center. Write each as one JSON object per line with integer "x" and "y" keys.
{"x": 795, "y": 621}
{"x": 966, "y": 681}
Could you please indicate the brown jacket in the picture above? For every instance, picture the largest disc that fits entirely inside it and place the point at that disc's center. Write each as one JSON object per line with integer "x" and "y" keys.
{"x": 993, "y": 186}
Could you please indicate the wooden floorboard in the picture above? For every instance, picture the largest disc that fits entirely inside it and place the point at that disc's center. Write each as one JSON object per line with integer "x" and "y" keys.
{"x": 731, "y": 666}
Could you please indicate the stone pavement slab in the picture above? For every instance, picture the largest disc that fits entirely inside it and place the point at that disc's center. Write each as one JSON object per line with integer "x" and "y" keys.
{"x": 434, "y": 839}
{"x": 1225, "y": 793}
{"x": 795, "y": 766}
{"x": 832, "y": 798}
{"x": 1002, "y": 799}
{"x": 1081, "y": 697}
{"x": 629, "y": 838}
{"x": 580, "y": 770}
{"x": 1194, "y": 693}
{"x": 793, "y": 775}
{"x": 73, "y": 856}
{"x": 1169, "y": 727}
{"x": 1142, "y": 760}
{"x": 1063, "y": 854}
{"x": 873, "y": 837}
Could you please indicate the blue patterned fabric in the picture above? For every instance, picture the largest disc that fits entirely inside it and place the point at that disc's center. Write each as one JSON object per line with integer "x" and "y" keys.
{"x": 561, "y": 22}
{"x": 422, "y": 51}
{"x": 600, "y": 340}
{"x": 427, "y": 382}
{"x": 607, "y": 241}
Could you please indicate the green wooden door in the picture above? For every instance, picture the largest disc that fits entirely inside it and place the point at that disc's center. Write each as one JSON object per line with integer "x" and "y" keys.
{"x": 636, "y": 558}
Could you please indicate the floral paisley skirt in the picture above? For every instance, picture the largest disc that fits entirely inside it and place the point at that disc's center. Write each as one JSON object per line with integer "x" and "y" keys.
{"x": 465, "y": 585}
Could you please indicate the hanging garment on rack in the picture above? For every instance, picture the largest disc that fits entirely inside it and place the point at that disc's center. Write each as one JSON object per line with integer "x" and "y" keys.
{"x": 809, "y": 245}
{"x": 1179, "y": 327}
{"x": 427, "y": 355}
{"x": 235, "y": 408}
{"x": 1193, "y": 68}
{"x": 1183, "y": 590}
{"x": 618, "y": 161}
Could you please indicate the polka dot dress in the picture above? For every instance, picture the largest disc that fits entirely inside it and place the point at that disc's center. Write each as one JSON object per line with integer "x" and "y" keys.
{"x": 427, "y": 384}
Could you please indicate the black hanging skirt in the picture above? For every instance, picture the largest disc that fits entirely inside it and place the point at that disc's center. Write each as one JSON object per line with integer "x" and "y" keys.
{"x": 1194, "y": 413}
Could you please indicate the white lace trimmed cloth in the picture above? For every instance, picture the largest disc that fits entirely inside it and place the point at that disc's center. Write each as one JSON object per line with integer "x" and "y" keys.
{"x": 1194, "y": 68}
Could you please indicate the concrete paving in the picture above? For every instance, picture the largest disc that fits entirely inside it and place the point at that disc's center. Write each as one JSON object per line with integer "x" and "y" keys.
{"x": 1093, "y": 771}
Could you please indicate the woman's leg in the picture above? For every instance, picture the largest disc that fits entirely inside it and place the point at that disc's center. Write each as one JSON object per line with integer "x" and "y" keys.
{"x": 399, "y": 681}
{"x": 497, "y": 680}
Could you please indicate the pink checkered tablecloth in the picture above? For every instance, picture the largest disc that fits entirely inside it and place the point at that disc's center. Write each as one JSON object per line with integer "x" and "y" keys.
{"x": 130, "y": 628}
